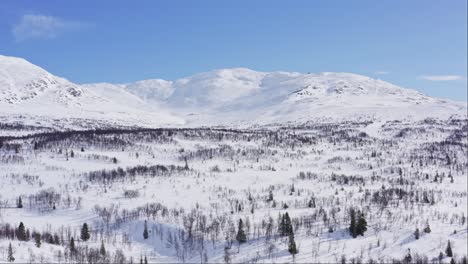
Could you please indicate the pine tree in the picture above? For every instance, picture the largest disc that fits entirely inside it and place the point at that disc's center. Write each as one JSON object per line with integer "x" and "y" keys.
{"x": 408, "y": 257}
{"x": 361, "y": 225}
{"x": 241, "y": 237}
{"x": 19, "y": 204}
{"x": 281, "y": 227}
{"x": 37, "y": 239}
{"x": 416, "y": 234}
{"x": 288, "y": 224}
{"x": 141, "y": 259}
{"x": 21, "y": 232}
{"x": 353, "y": 225}
{"x": 145, "y": 231}
{"x": 85, "y": 232}
{"x": 146, "y": 260}
{"x": 102, "y": 250}
{"x": 72, "y": 154}
{"x": 285, "y": 226}
{"x": 72, "y": 246}
{"x": 292, "y": 244}
{"x": 10, "y": 257}
{"x": 452, "y": 261}
{"x": 448, "y": 250}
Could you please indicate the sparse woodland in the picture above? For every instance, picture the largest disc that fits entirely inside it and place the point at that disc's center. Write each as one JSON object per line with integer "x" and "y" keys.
{"x": 351, "y": 192}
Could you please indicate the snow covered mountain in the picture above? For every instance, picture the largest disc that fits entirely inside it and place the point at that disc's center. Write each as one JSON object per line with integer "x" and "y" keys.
{"x": 244, "y": 96}
{"x": 228, "y": 96}
{"x": 32, "y": 95}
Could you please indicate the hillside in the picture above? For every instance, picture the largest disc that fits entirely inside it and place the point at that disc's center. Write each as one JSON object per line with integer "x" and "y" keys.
{"x": 239, "y": 96}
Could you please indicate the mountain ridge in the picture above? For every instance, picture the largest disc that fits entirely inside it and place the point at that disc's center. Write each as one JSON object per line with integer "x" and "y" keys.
{"x": 218, "y": 97}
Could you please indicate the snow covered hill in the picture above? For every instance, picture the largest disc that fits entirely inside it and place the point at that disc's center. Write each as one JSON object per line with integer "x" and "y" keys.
{"x": 29, "y": 94}
{"x": 32, "y": 95}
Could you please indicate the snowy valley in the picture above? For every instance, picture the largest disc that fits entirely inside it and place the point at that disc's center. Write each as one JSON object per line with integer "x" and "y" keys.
{"x": 229, "y": 166}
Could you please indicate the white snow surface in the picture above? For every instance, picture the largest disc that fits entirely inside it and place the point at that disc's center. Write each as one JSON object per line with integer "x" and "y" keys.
{"x": 237, "y": 96}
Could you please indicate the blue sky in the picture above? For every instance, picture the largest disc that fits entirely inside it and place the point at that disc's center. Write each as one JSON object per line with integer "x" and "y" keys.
{"x": 420, "y": 44}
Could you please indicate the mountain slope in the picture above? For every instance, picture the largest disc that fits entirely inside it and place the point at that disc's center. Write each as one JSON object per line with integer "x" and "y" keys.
{"x": 29, "y": 91}
{"x": 219, "y": 97}
{"x": 244, "y": 96}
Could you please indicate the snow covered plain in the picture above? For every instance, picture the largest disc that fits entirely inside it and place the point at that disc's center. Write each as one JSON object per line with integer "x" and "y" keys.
{"x": 193, "y": 185}
{"x": 190, "y": 158}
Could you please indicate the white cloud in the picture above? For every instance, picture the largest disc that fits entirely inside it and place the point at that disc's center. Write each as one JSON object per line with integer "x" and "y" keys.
{"x": 381, "y": 72}
{"x": 441, "y": 77}
{"x": 40, "y": 26}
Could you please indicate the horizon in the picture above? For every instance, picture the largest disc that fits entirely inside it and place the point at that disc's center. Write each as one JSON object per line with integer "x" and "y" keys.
{"x": 418, "y": 45}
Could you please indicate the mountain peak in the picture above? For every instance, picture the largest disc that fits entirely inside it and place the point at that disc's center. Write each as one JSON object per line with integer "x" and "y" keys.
{"x": 215, "y": 97}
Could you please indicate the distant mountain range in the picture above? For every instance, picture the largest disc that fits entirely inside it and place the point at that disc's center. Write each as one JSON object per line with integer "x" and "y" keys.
{"x": 31, "y": 95}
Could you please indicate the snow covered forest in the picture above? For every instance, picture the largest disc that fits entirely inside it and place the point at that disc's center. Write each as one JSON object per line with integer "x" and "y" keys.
{"x": 329, "y": 192}
{"x": 137, "y": 132}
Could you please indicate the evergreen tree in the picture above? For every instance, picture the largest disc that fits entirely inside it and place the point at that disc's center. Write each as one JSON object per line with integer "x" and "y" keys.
{"x": 361, "y": 225}
{"x": 288, "y": 224}
{"x": 241, "y": 237}
{"x": 292, "y": 244}
{"x": 448, "y": 250}
{"x": 141, "y": 259}
{"x": 72, "y": 246}
{"x": 452, "y": 261}
{"x": 10, "y": 257}
{"x": 285, "y": 226}
{"x": 353, "y": 224}
{"x": 102, "y": 250}
{"x": 408, "y": 257}
{"x": 146, "y": 260}
{"x": 416, "y": 234}
{"x": 145, "y": 231}
{"x": 281, "y": 227}
{"x": 37, "y": 239}
{"x": 72, "y": 154}
{"x": 19, "y": 204}
{"x": 21, "y": 232}
{"x": 85, "y": 232}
